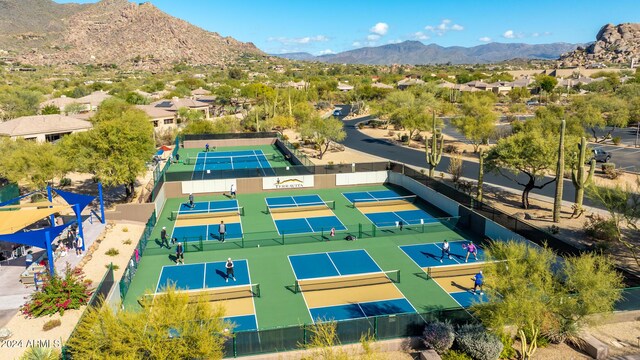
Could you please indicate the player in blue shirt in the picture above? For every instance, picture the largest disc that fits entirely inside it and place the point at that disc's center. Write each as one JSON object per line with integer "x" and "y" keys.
{"x": 478, "y": 281}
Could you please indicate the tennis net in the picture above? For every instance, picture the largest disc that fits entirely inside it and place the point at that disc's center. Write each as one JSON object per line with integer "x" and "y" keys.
{"x": 213, "y": 294}
{"x": 347, "y": 281}
{"x": 210, "y": 213}
{"x": 230, "y": 159}
{"x": 455, "y": 270}
{"x": 396, "y": 200}
{"x": 301, "y": 207}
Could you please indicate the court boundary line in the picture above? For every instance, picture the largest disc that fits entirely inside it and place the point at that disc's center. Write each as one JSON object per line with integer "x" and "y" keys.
{"x": 327, "y": 252}
{"x": 436, "y": 244}
{"x": 253, "y": 300}
{"x": 334, "y": 264}
{"x": 164, "y": 266}
{"x": 303, "y": 297}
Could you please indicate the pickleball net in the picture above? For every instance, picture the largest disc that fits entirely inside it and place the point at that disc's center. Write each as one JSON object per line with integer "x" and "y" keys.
{"x": 213, "y": 294}
{"x": 206, "y": 214}
{"x": 347, "y": 281}
{"x": 455, "y": 270}
{"x": 389, "y": 201}
{"x": 283, "y": 208}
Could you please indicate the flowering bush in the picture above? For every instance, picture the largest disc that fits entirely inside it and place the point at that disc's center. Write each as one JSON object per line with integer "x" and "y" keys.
{"x": 58, "y": 294}
{"x": 438, "y": 336}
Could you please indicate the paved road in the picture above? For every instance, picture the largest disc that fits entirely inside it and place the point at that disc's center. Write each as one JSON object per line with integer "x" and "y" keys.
{"x": 378, "y": 147}
{"x": 630, "y": 135}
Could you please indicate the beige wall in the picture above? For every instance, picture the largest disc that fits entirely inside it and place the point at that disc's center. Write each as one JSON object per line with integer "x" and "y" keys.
{"x": 131, "y": 212}
{"x": 199, "y": 144}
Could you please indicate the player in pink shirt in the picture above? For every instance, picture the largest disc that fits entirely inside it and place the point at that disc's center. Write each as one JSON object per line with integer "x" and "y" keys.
{"x": 471, "y": 249}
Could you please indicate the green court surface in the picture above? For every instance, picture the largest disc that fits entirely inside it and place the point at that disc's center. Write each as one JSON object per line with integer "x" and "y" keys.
{"x": 269, "y": 265}
{"x": 193, "y": 153}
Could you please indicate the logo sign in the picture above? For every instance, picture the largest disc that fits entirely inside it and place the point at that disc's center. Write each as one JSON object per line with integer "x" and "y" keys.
{"x": 287, "y": 182}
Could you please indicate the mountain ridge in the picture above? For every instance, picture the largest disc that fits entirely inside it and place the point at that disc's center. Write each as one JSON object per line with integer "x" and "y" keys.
{"x": 416, "y": 53}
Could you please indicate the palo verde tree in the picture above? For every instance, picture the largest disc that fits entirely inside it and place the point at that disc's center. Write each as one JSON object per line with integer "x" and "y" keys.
{"x": 115, "y": 150}
{"x": 29, "y": 163}
{"x": 531, "y": 291}
{"x": 323, "y": 132}
{"x": 168, "y": 326}
{"x": 478, "y": 121}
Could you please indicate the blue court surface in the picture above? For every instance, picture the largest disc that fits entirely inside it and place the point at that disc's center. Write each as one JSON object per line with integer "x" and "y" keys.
{"x": 345, "y": 263}
{"x": 303, "y": 225}
{"x": 209, "y": 231}
{"x": 206, "y": 276}
{"x": 389, "y": 218}
{"x": 429, "y": 255}
{"x": 468, "y": 298}
{"x": 209, "y": 165}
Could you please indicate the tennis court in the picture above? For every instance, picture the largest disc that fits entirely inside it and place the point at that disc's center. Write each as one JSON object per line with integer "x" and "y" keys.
{"x": 201, "y": 222}
{"x": 209, "y": 280}
{"x": 453, "y": 275}
{"x": 343, "y": 285}
{"x": 303, "y": 214}
{"x": 251, "y": 162}
{"x": 386, "y": 208}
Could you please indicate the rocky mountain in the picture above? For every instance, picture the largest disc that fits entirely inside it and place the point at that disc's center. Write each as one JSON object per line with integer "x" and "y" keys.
{"x": 129, "y": 35}
{"x": 615, "y": 44}
{"x": 296, "y": 56}
{"x": 415, "y": 52}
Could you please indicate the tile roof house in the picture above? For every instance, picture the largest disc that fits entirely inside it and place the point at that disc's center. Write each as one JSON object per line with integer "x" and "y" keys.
{"x": 90, "y": 102}
{"x": 200, "y": 91}
{"x": 176, "y": 103}
{"x": 344, "y": 87}
{"x": 160, "y": 118}
{"x": 43, "y": 128}
{"x": 405, "y": 83}
{"x": 94, "y": 99}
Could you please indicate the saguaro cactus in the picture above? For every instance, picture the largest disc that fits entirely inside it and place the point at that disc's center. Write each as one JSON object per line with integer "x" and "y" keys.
{"x": 434, "y": 152}
{"x": 579, "y": 178}
{"x": 481, "y": 174}
{"x": 557, "y": 202}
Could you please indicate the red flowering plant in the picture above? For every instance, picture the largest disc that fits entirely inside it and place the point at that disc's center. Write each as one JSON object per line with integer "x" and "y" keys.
{"x": 58, "y": 294}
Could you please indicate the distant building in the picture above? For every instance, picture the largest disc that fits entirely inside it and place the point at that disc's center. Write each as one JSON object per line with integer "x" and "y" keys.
{"x": 43, "y": 128}
{"x": 161, "y": 119}
{"x": 175, "y": 104}
{"x": 87, "y": 103}
{"x": 344, "y": 87}
{"x": 200, "y": 92}
{"x": 409, "y": 81}
{"x": 381, "y": 86}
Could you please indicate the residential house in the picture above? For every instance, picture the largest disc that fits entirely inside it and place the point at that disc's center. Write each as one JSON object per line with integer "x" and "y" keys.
{"x": 344, "y": 87}
{"x": 93, "y": 100}
{"x": 177, "y": 103}
{"x": 200, "y": 92}
{"x": 43, "y": 128}
{"x": 87, "y": 103}
{"x": 300, "y": 85}
{"x": 161, "y": 119}
{"x": 407, "y": 82}
{"x": 61, "y": 103}
{"x": 381, "y": 86}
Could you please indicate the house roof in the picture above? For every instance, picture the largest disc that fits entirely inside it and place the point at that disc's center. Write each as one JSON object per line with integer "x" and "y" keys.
{"x": 176, "y": 103}
{"x": 344, "y": 87}
{"x": 60, "y": 102}
{"x": 200, "y": 91}
{"x": 156, "y": 112}
{"x": 42, "y": 124}
{"x": 381, "y": 86}
{"x": 95, "y": 98}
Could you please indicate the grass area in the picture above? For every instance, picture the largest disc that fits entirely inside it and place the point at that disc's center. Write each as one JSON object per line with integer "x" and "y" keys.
{"x": 266, "y": 149}
{"x": 270, "y": 267}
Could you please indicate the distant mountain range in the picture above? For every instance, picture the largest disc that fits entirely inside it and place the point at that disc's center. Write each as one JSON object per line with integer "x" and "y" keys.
{"x": 417, "y": 53}
{"x": 110, "y": 32}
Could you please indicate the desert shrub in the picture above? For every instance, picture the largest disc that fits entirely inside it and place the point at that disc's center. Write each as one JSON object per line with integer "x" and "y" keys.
{"x": 51, "y": 324}
{"x": 609, "y": 170}
{"x": 65, "y": 182}
{"x": 616, "y": 140}
{"x": 125, "y": 229}
{"x": 40, "y": 353}
{"x": 285, "y": 137}
{"x": 455, "y": 168}
{"x": 418, "y": 137}
{"x": 126, "y": 242}
{"x": 450, "y": 149}
{"x": 508, "y": 351}
{"x": 58, "y": 294}
{"x": 599, "y": 228}
{"x": 360, "y": 126}
{"x": 112, "y": 252}
{"x": 296, "y": 145}
{"x": 554, "y": 229}
{"x": 438, "y": 336}
{"x": 37, "y": 197}
{"x": 115, "y": 267}
{"x": 477, "y": 342}
{"x": 455, "y": 355}
{"x": 391, "y": 133}
{"x": 404, "y": 138}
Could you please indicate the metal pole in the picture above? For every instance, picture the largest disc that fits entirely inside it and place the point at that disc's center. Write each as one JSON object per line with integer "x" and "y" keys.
{"x": 101, "y": 203}
{"x": 52, "y": 217}
{"x": 80, "y": 231}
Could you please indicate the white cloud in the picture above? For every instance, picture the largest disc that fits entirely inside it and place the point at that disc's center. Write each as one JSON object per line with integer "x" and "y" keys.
{"x": 485, "y": 39}
{"x": 301, "y": 40}
{"x": 421, "y": 36}
{"x": 325, "y": 52}
{"x": 373, "y": 37}
{"x": 509, "y": 34}
{"x": 535, "y": 34}
{"x": 356, "y": 44}
{"x": 546, "y": 33}
{"x": 444, "y": 26}
{"x": 380, "y": 29}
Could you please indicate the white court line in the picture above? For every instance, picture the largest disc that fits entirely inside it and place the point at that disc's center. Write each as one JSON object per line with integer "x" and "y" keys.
{"x": 334, "y": 264}
{"x": 303, "y": 297}
{"x": 394, "y": 284}
{"x": 253, "y": 300}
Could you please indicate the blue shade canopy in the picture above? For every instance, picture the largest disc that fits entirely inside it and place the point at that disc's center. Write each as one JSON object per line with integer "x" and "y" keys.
{"x": 73, "y": 198}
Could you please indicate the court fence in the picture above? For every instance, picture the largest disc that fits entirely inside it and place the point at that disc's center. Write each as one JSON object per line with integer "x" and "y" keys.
{"x": 228, "y": 136}
{"x": 245, "y": 343}
{"x": 271, "y": 238}
{"x": 134, "y": 261}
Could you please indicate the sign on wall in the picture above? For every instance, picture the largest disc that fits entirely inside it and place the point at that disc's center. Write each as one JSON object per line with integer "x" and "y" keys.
{"x": 287, "y": 182}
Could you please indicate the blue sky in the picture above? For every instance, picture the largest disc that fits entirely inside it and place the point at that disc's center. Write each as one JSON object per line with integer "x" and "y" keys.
{"x": 329, "y": 26}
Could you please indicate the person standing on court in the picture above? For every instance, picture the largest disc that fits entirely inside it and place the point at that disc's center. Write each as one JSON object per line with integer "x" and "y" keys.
{"x": 179, "y": 254}
{"x": 478, "y": 281}
{"x": 191, "y": 204}
{"x": 222, "y": 229}
{"x": 230, "y": 274}
{"x": 446, "y": 249}
{"x": 163, "y": 237}
{"x": 233, "y": 191}
{"x": 471, "y": 249}
{"x": 206, "y": 148}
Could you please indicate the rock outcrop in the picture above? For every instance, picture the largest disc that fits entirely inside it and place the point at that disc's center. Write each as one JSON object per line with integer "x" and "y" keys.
{"x": 128, "y": 35}
{"x": 615, "y": 44}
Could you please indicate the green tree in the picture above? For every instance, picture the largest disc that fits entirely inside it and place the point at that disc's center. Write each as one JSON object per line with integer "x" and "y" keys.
{"x": 15, "y": 102}
{"x": 199, "y": 127}
{"x": 168, "y": 326}
{"x": 74, "y": 108}
{"x": 518, "y": 94}
{"x": 546, "y": 83}
{"x": 29, "y": 163}
{"x": 530, "y": 290}
{"x": 187, "y": 115}
{"x": 50, "y": 110}
{"x": 110, "y": 109}
{"x": 323, "y": 132}
{"x": 115, "y": 150}
{"x": 478, "y": 121}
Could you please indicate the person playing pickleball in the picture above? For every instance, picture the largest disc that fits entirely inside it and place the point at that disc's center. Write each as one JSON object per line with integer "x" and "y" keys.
{"x": 478, "y": 281}
{"x": 179, "y": 254}
{"x": 471, "y": 249}
{"x": 230, "y": 274}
